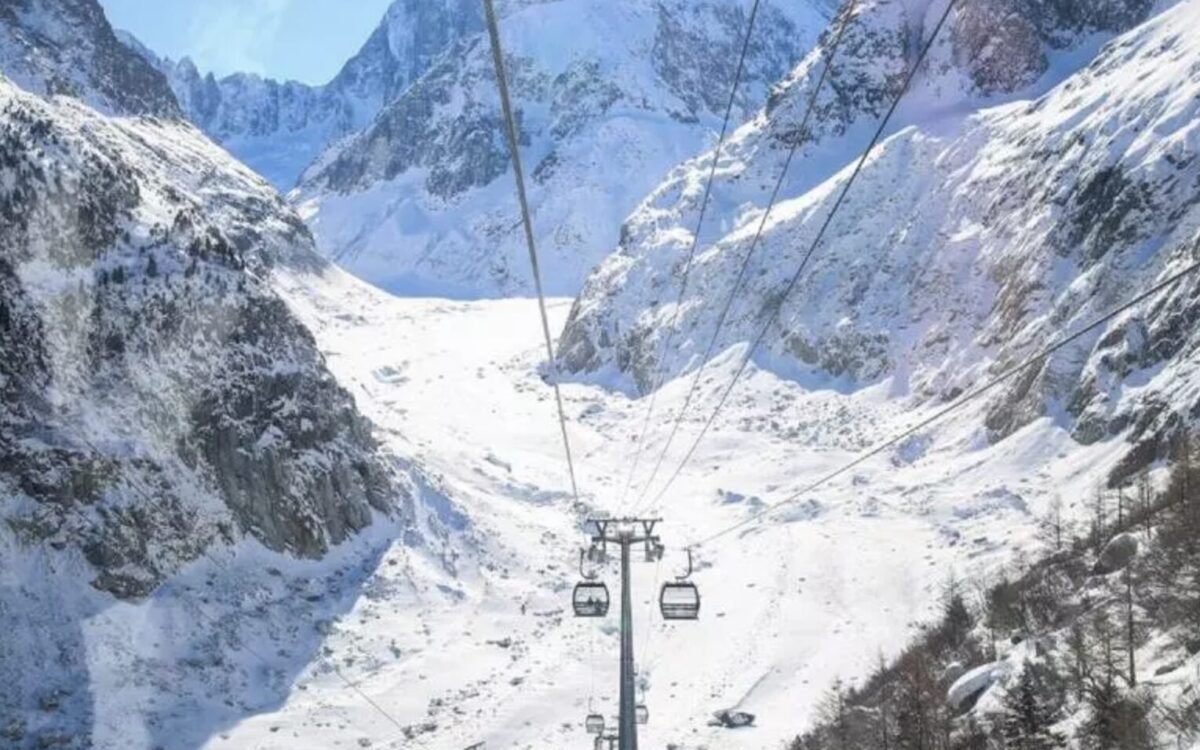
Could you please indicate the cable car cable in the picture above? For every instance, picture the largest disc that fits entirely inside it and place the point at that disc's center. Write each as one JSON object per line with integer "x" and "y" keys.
{"x": 648, "y": 637}
{"x": 510, "y": 131}
{"x": 778, "y": 305}
{"x": 650, "y": 604}
{"x": 660, "y": 378}
{"x": 956, "y": 404}
{"x": 811, "y": 106}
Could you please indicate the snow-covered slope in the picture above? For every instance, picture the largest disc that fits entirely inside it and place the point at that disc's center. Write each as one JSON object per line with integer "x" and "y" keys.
{"x": 451, "y": 616}
{"x": 278, "y": 127}
{"x": 974, "y": 236}
{"x": 609, "y": 94}
{"x": 818, "y": 590}
{"x": 160, "y": 399}
{"x": 67, "y": 47}
{"x": 151, "y": 357}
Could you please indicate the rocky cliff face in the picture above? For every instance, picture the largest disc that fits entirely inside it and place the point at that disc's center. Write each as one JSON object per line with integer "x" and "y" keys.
{"x": 609, "y": 95}
{"x": 278, "y": 127}
{"x": 976, "y": 235}
{"x": 67, "y": 47}
{"x": 159, "y": 396}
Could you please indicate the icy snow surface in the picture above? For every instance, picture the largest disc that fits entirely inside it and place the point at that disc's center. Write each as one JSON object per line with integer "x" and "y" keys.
{"x": 488, "y": 653}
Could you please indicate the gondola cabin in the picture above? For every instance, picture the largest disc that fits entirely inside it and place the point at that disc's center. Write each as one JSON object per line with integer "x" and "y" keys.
{"x": 679, "y": 600}
{"x": 590, "y": 599}
{"x": 594, "y": 724}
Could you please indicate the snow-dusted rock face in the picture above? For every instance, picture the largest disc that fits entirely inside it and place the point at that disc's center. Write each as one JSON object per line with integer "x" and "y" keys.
{"x": 279, "y": 127}
{"x": 977, "y": 234}
{"x": 67, "y": 47}
{"x": 158, "y": 395}
{"x": 609, "y": 95}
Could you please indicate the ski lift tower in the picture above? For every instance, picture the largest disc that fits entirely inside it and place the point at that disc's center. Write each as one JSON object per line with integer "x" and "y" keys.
{"x": 625, "y": 533}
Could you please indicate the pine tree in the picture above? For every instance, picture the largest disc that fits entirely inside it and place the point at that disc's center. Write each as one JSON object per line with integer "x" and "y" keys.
{"x": 956, "y": 616}
{"x": 1054, "y": 526}
{"x": 1115, "y": 720}
{"x": 922, "y": 722}
{"x": 1029, "y": 714}
{"x": 833, "y": 714}
{"x": 1099, "y": 532}
{"x": 1145, "y": 500}
{"x": 1099, "y": 730}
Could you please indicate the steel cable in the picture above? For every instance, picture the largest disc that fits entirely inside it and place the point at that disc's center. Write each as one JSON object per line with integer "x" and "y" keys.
{"x": 510, "y": 130}
{"x": 954, "y": 405}
{"x": 778, "y": 305}
{"x": 663, "y": 367}
{"x": 658, "y": 464}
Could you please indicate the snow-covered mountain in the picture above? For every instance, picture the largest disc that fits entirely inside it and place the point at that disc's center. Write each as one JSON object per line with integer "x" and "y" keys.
{"x": 609, "y": 94}
{"x": 150, "y": 353}
{"x": 995, "y": 219}
{"x": 67, "y": 47}
{"x": 278, "y": 127}
{"x": 161, "y": 402}
{"x": 182, "y": 455}
{"x": 156, "y": 377}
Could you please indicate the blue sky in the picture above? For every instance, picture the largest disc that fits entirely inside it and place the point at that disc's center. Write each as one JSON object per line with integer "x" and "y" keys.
{"x": 307, "y": 40}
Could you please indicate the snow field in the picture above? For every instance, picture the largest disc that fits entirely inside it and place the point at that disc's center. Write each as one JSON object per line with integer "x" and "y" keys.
{"x": 817, "y": 592}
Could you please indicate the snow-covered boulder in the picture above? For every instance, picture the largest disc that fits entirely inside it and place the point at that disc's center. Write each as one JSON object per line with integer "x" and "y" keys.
{"x": 966, "y": 690}
{"x": 1118, "y": 553}
{"x": 732, "y": 719}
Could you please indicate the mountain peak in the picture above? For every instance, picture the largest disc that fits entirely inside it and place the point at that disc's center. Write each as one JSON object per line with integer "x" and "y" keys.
{"x": 610, "y": 94}
{"x": 68, "y": 48}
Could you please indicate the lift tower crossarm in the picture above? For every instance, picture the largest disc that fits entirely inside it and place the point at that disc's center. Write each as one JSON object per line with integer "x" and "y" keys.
{"x": 624, "y": 530}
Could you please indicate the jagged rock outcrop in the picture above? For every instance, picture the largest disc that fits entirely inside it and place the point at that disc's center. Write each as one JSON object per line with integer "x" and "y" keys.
{"x": 159, "y": 397}
{"x": 609, "y": 95}
{"x": 67, "y": 47}
{"x": 978, "y": 233}
{"x": 278, "y": 127}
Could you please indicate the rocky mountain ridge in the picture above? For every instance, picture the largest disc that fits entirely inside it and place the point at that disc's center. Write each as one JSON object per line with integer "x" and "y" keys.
{"x": 421, "y": 201}
{"x": 158, "y": 385}
{"x": 68, "y": 48}
{"x": 279, "y": 127}
{"x": 993, "y": 220}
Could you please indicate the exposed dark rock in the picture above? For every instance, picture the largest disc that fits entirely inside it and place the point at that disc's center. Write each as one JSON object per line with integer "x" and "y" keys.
{"x": 280, "y": 127}
{"x": 960, "y": 252}
{"x": 164, "y": 398}
{"x": 67, "y": 47}
{"x": 1003, "y": 45}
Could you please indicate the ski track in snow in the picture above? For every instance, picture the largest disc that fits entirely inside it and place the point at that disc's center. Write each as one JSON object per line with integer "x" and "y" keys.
{"x": 489, "y": 652}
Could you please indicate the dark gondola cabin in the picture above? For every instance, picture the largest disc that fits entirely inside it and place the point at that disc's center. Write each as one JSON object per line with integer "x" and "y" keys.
{"x": 679, "y": 601}
{"x": 590, "y": 599}
{"x": 643, "y": 714}
{"x": 594, "y": 724}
